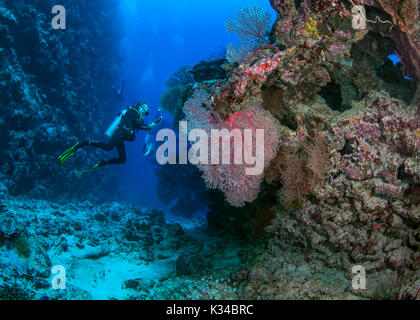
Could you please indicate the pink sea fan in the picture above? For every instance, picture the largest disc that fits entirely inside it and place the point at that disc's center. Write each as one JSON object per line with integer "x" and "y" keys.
{"x": 238, "y": 187}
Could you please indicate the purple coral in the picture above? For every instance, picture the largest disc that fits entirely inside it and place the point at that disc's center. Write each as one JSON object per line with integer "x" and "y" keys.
{"x": 388, "y": 190}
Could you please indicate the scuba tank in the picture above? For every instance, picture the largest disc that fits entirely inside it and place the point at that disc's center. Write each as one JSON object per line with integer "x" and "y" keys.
{"x": 114, "y": 125}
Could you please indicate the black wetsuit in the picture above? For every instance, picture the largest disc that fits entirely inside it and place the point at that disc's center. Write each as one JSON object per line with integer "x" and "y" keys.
{"x": 130, "y": 123}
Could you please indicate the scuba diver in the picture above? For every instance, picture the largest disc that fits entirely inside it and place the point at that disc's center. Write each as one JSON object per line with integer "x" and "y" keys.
{"x": 123, "y": 128}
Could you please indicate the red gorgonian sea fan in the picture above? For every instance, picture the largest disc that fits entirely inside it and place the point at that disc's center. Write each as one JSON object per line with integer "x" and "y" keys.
{"x": 238, "y": 187}
{"x": 252, "y": 24}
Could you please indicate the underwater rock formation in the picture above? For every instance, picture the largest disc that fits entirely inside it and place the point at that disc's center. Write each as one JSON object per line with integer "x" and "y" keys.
{"x": 183, "y": 186}
{"x": 341, "y": 179}
{"x": 367, "y": 202}
{"x": 54, "y": 90}
{"x": 346, "y": 174}
{"x": 209, "y": 70}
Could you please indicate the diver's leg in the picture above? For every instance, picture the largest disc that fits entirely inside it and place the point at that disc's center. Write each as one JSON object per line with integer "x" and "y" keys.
{"x": 96, "y": 144}
{"x": 71, "y": 151}
{"x": 101, "y": 145}
{"x": 114, "y": 141}
{"x": 122, "y": 155}
{"x": 101, "y": 163}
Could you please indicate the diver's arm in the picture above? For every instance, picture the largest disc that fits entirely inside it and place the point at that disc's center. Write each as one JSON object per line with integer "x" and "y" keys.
{"x": 148, "y": 127}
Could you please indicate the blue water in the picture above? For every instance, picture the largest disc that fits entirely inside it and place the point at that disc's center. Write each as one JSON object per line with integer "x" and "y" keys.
{"x": 159, "y": 37}
{"x": 396, "y": 60}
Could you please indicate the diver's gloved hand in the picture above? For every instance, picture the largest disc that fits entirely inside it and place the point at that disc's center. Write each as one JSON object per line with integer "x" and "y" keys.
{"x": 154, "y": 124}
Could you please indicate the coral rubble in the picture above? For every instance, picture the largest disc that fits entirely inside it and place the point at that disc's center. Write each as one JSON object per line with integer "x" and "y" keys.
{"x": 111, "y": 251}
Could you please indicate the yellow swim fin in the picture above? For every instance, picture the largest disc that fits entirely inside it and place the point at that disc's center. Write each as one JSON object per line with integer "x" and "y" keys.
{"x": 87, "y": 170}
{"x": 66, "y": 155}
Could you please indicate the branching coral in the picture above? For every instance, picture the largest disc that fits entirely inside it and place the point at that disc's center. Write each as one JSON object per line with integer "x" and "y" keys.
{"x": 345, "y": 180}
{"x": 238, "y": 53}
{"x": 304, "y": 169}
{"x": 348, "y": 175}
{"x": 250, "y": 24}
{"x": 318, "y": 159}
{"x": 295, "y": 180}
{"x": 174, "y": 99}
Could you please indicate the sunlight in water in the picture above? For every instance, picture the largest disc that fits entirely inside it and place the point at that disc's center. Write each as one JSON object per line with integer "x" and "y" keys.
{"x": 130, "y": 9}
{"x": 130, "y": 5}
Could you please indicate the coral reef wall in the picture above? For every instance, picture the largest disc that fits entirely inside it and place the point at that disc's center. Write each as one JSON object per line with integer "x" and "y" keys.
{"x": 54, "y": 90}
{"x": 345, "y": 181}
